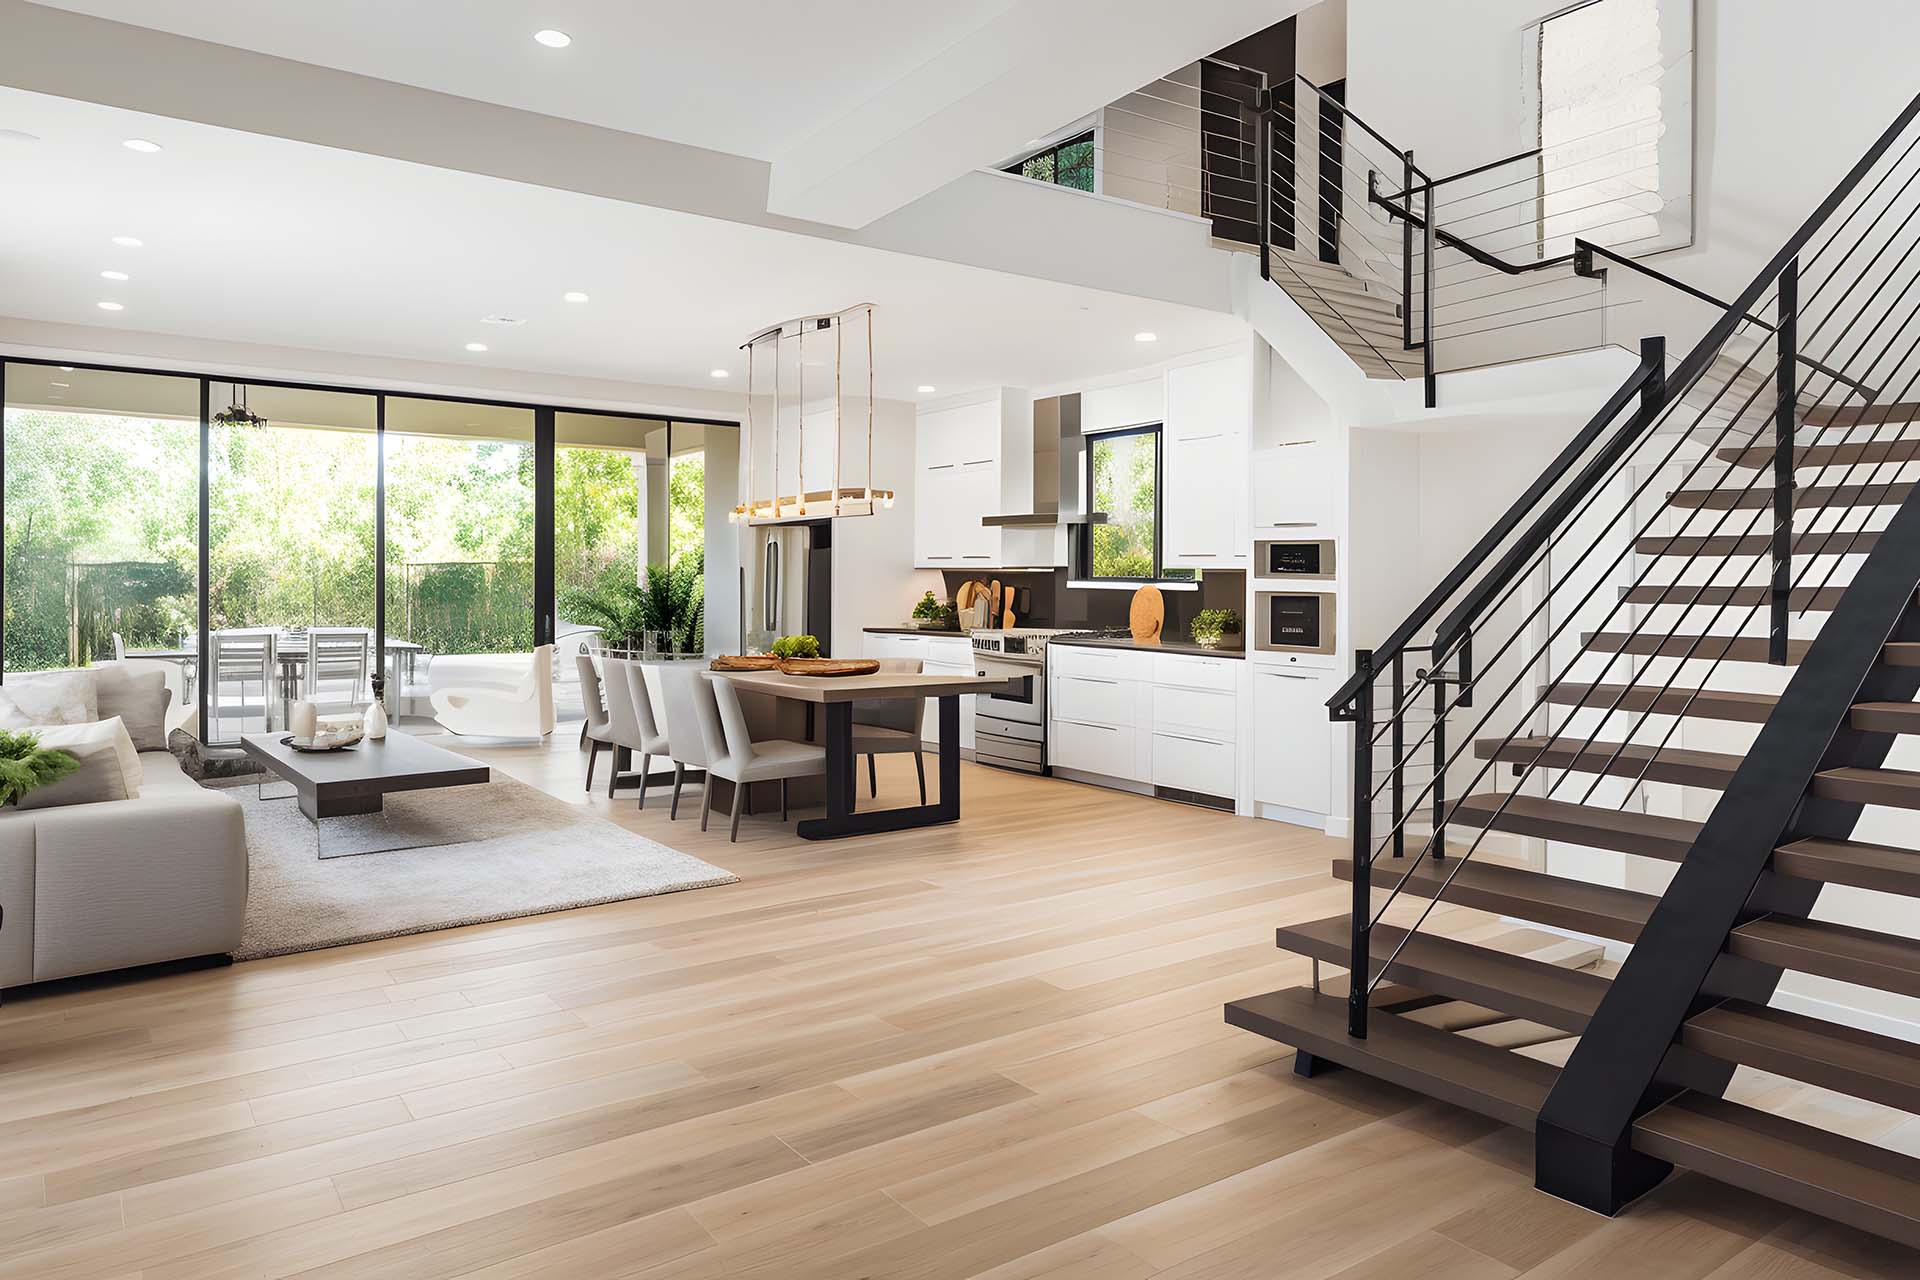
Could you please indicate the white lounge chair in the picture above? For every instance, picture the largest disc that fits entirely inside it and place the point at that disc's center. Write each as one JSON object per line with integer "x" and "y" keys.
{"x": 525, "y": 711}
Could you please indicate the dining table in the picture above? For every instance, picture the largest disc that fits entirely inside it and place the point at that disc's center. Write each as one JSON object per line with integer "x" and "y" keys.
{"x": 291, "y": 653}
{"x": 834, "y": 697}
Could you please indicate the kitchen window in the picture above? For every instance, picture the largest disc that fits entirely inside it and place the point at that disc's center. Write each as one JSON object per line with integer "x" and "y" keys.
{"x": 1067, "y": 163}
{"x": 1123, "y": 484}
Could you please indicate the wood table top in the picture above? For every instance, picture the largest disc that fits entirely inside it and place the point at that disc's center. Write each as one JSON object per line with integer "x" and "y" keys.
{"x": 397, "y": 760}
{"x": 882, "y": 684}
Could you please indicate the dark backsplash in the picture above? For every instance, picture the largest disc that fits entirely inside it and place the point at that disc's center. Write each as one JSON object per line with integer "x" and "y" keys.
{"x": 1052, "y": 603}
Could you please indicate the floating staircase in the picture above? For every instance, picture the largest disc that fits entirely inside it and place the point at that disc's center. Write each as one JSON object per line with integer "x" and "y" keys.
{"x": 1739, "y": 639}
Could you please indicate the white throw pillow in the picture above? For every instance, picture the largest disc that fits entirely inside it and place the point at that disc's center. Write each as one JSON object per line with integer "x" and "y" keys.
{"x": 48, "y": 697}
{"x": 80, "y": 738}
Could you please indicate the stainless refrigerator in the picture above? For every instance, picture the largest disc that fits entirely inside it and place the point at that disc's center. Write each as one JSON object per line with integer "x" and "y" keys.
{"x": 787, "y": 583}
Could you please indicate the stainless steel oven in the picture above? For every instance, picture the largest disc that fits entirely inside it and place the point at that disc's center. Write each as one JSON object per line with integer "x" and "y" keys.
{"x": 1293, "y": 560}
{"x": 1010, "y": 727}
{"x": 1293, "y": 621}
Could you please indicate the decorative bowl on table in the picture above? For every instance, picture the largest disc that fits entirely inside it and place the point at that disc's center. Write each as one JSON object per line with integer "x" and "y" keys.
{"x": 828, "y": 666}
{"x": 332, "y": 733}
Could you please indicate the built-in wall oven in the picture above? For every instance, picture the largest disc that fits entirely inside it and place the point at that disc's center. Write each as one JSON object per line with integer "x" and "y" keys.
{"x": 1293, "y": 621}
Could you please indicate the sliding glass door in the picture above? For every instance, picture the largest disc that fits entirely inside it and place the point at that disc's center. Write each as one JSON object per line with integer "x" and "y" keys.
{"x": 101, "y": 495}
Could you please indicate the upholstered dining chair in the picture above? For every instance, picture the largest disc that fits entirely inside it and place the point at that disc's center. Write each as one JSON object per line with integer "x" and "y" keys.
{"x": 735, "y": 757}
{"x": 631, "y": 727}
{"x": 593, "y": 733}
{"x": 682, "y": 686}
{"x": 891, "y": 726}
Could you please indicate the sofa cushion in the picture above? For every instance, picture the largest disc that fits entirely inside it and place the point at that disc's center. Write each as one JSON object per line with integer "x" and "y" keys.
{"x": 99, "y": 778}
{"x": 139, "y": 698}
{"x": 84, "y": 740}
{"x": 48, "y": 697}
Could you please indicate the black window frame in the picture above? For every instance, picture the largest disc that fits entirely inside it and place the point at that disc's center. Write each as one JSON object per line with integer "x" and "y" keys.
{"x": 1019, "y": 167}
{"x": 1083, "y": 544}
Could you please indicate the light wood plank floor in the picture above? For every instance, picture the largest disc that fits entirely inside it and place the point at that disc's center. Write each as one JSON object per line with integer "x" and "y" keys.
{"x": 994, "y": 1049}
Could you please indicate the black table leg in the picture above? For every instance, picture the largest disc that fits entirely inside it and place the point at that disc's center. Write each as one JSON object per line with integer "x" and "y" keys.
{"x": 841, "y": 820}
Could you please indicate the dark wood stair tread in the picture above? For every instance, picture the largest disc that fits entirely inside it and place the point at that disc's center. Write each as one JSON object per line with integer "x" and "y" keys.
{"x": 1505, "y": 1086}
{"x": 1679, "y": 765}
{"x": 1555, "y": 901}
{"x": 1648, "y": 834}
{"x": 1857, "y": 452}
{"x": 1532, "y": 989}
{"x": 1834, "y": 542}
{"x": 1899, "y": 788}
{"x": 1806, "y": 498}
{"x": 1854, "y": 862}
{"x": 1857, "y": 1183}
{"x": 1845, "y": 1059}
{"x": 1886, "y": 717}
{"x": 1707, "y": 648}
{"x": 1700, "y": 704}
{"x": 1821, "y": 599}
{"x": 1901, "y": 653}
{"x": 1836, "y": 951}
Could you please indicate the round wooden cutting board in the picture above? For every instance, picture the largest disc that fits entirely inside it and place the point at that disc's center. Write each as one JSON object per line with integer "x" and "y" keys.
{"x": 1147, "y": 615}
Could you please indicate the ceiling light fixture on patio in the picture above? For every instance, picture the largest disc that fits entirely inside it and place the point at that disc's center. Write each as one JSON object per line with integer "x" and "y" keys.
{"x": 810, "y": 417}
{"x": 237, "y": 414}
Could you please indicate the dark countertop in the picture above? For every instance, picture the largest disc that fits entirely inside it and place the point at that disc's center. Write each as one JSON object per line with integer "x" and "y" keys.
{"x": 1186, "y": 647}
{"x": 914, "y": 631}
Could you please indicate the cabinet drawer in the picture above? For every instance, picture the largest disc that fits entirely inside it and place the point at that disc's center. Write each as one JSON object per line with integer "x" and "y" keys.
{"x": 1197, "y": 673}
{"x": 1188, "y": 764}
{"x": 1093, "y": 700}
{"x": 1106, "y": 664}
{"x": 1198, "y": 712}
{"x": 1107, "y": 750}
{"x": 949, "y": 651}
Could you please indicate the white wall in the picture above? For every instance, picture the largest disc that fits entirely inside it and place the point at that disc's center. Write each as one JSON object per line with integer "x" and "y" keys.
{"x": 1788, "y": 95}
{"x": 874, "y": 581}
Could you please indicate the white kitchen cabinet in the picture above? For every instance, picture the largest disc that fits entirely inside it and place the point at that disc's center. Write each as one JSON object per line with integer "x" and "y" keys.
{"x": 1204, "y": 468}
{"x": 1131, "y": 404}
{"x": 1151, "y": 719}
{"x": 1108, "y": 751}
{"x": 937, "y": 655}
{"x": 1292, "y": 486}
{"x": 1292, "y": 740}
{"x": 971, "y": 461}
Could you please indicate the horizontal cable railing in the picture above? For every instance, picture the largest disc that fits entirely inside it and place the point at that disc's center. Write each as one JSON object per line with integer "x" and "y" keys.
{"x": 1581, "y": 629}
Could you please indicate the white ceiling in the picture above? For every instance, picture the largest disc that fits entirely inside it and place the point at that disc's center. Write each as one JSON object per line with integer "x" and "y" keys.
{"x": 264, "y": 240}
{"x": 748, "y": 77}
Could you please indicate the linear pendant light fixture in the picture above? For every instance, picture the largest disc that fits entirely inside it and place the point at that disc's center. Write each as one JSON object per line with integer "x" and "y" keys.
{"x": 810, "y": 418}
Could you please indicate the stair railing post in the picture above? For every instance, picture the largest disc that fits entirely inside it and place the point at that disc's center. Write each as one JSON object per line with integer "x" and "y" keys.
{"x": 1398, "y": 762}
{"x": 1787, "y": 379}
{"x": 1359, "y": 971}
{"x": 1263, "y": 181}
{"x": 1426, "y": 305}
{"x": 1406, "y": 258}
{"x": 1437, "y": 846}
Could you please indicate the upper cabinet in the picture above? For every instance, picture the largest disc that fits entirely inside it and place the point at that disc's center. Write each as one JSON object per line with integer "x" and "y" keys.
{"x": 1209, "y": 416}
{"x": 971, "y": 461}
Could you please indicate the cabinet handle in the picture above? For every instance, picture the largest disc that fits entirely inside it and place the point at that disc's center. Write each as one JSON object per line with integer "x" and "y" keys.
{"x": 978, "y": 462}
{"x": 1213, "y": 436}
{"x": 943, "y": 466}
{"x": 1089, "y": 679}
{"x": 976, "y": 557}
{"x": 1181, "y": 737}
{"x": 939, "y": 557}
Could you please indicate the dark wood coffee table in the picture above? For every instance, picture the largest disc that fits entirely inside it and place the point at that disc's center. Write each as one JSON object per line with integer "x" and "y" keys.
{"x": 356, "y": 782}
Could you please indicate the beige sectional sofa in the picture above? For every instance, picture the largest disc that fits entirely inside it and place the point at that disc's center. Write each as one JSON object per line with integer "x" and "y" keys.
{"x": 91, "y": 887}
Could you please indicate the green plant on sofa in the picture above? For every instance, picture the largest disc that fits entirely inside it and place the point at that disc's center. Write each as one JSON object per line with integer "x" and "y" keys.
{"x": 25, "y": 764}
{"x": 1212, "y": 624}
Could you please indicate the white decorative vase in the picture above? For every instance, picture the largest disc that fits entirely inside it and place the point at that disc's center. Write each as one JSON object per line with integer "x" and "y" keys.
{"x": 376, "y": 721}
{"x": 302, "y": 720}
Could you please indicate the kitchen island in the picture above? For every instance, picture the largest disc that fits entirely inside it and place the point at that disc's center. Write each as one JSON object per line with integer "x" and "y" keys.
{"x": 835, "y": 696}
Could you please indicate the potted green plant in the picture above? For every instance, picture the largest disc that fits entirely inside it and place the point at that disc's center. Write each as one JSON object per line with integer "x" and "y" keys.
{"x": 667, "y": 603}
{"x": 931, "y": 614}
{"x": 1212, "y": 625}
{"x": 25, "y": 764}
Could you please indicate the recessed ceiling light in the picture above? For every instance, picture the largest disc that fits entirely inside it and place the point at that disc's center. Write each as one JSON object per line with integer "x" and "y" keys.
{"x": 719, "y": 373}
{"x": 574, "y": 295}
{"x": 59, "y": 384}
{"x": 924, "y": 389}
{"x": 114, "y": 275}
{"x": 476, "y": 347}
{"x": 141, "y": 145}
{"x": 553, "y": 39}
{"x": 512, "y": 322}
{"x": 127, "y": 242}
{"x": 1145, "y": 336}
{"x": 110, "y": 306}
{"x": 18, "y": 135}
{"x": 66, "y": 368}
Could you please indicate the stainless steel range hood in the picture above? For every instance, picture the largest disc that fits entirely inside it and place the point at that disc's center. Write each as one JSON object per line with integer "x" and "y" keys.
{"x": 1059, "y": 458}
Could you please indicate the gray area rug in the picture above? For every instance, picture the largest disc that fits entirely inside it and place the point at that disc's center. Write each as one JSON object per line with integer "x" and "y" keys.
{"x": 537, "y": 853}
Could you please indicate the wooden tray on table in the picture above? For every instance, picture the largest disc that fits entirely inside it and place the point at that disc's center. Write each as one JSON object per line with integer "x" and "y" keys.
{"x": 828, "y": 666}
{"x": 745, "y": 662}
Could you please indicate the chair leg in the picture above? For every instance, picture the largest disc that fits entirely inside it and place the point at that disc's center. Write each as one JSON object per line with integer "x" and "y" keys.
{"x": 583, "y": 733}
{"x": 873, "y": 778}
{"x": 783, "y": 800}
{"x": 645, "y": 760}
{"x": 920, "y": 767}
{"x": 679, "y": 776}
{"x": 706, "y": 799}
{"x": 620, "y": 757}
{"x": 739, "y": 795}
{"x": 593, "y": 754}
